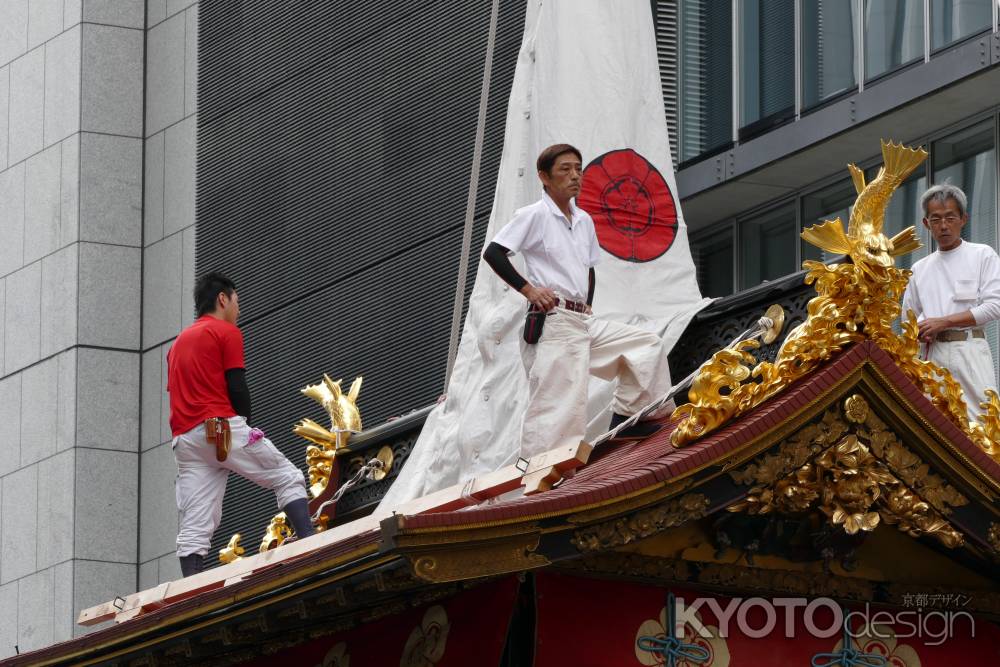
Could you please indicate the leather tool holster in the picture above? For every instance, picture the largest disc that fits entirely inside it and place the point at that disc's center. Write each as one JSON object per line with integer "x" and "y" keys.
{"x": 217, "y": 433}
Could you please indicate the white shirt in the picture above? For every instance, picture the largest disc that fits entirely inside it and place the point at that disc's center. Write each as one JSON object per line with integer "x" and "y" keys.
{"x": 954, "y": 281}
{"x": 558, "y": 253}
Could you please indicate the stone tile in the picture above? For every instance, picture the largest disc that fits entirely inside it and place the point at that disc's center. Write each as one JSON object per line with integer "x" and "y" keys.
{"x": 12, "y": 219}
{"x": 165, "y": 74}
{"x": 123, "y": 13}
{"x": 42, "y": 203}
{"x": 34, "y": 618}
{"x": 63, "y": 611}
{"x": 110, "y": 279}
{"x": 165, "y": 432}
{"x": 8, "y": 620}
{"x": 153, "y": 202}
{"x": 107, "y": 503}
{"x": 10, "y": 424}
{"x": 153, "y": 386}
{"x": 39, "y": 400}
{"x": 161, "y": 293}
{"x": 3, "y": 300}
{"x": 187, "y": 277}
{"x": 66, "y": 408}
{"x": 178, "y": 181}
{"x": 107, "y": 404}
{"x": 95, "y": 583}
{"x": 158, "y": 504}
{"x": 27, "y": 105}
{"x": 174, "y": 6}
{"x": 55, "y": 509}
{"x": 45, "y": 21}
{"x": 156, "y": 11}
{"x": 191, "y": 60}
{"x": 22, "y": 317}
{"x": 112, "y": 80}
{"x": 59, "y": 286}
{"x": 148, "y": 575}
{"x": 170, "y": 567}
{"x": 4, "y": 108}
{"x": 62, "y": 86}
{"x": 70, "y": 191}
{"x": 72, "y": 13}
{"x": 110, "y": 189}
{"x": 18, "y": 524}
{"x": 13, "y": 29}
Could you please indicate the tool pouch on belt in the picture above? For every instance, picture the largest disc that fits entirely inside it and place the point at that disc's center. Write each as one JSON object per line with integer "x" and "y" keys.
{"x": 217, "y": 433}
{"x": 533, "y": 324}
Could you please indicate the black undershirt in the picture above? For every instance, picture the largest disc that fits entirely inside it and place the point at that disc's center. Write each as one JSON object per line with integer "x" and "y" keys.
{"x": 496, "y": 256}
{"x": 239, "y": 392}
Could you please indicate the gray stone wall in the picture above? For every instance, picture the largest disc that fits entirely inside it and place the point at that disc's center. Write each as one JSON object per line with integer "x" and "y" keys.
{"x": 96, "y": 265}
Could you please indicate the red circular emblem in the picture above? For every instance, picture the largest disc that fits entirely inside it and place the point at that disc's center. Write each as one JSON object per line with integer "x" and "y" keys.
{"x": 631, "y": 204}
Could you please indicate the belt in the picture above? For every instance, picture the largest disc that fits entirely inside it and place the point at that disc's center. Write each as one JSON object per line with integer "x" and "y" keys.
{"x": 575, "y": 306}
{"x": 952, "y": 335}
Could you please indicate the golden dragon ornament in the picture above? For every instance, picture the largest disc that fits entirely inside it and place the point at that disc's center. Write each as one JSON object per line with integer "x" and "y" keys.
{"x": 855, "y": 301}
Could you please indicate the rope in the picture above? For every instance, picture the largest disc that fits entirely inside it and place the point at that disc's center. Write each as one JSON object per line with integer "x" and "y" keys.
{"x": 470, "y": 204}
{"x": 670, "y": 647}
{"x": 848, "y": 656}
{"x": 367, "y": 471}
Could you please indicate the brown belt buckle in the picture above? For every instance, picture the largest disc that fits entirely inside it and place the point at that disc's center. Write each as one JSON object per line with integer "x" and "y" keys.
{"x": 217, "y": 433}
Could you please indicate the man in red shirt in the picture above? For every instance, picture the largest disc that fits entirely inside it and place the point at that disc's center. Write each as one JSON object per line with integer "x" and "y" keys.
{"x": 207, "y": 380}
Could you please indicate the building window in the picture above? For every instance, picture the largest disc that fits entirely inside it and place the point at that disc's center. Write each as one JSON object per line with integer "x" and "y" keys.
{"x": 713, "y": 260}
{"x": 828, "y": 53}
{"x": 767, "y": 63}
{"x": 834, "y": 201}
{"x": 706, "y": 88}
{"x": 894, "y": 34}
{"x": 952, "y": 20}
{"x": 904, "y": 211}
{"x": 767, "y": 246}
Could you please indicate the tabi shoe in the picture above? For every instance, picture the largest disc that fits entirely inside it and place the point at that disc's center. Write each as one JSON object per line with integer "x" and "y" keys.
{"x": 637, "y": 431}
{"x": 297, "y": 512}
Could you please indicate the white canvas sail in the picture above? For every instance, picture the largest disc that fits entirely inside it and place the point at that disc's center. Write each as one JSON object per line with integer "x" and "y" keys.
{"x": 587, "y": 75}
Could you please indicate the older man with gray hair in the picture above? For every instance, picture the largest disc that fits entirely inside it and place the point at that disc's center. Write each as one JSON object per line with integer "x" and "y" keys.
{"x": 955, "y": 292}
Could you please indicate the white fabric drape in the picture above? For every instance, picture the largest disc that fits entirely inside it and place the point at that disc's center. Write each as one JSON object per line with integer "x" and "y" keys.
{"x": 586, "y": 74}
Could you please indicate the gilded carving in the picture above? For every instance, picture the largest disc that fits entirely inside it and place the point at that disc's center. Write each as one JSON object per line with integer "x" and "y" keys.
{"x": 233, "y": 551}
{"x": 642, "y": 524}
{"x": 857, "y": 473}
{"x": 345, "y": 418}
{"x": 277, "y": 532}
{"x": 455, "y": 564}
{"x": 993, "y": 537}
{"x": 855, "y": 301}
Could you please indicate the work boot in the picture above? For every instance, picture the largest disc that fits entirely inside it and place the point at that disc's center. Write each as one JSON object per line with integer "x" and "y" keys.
{"x": 192, "y": 564}
{"x": 297, "y": 512}
{"x": 636, "y": 431}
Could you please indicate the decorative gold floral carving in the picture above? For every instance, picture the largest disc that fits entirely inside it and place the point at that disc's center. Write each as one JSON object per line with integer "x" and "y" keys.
{"x": 277, "y": 532}
{"x": 855, "y": 301}
{"x": 328, "y": 443}
{"x": 642, "y": 524}
{"x": 233, "y": 551}
{"x": 993, "y": 537}
{"x": 857, "y": 473}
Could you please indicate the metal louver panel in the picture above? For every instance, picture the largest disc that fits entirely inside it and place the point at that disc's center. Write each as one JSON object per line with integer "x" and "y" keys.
{"x": 334, "y": 146}
{"x": 666, "y": 21}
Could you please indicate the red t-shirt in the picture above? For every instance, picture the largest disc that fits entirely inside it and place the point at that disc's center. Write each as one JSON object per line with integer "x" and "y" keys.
{"x": 196, "y": 372}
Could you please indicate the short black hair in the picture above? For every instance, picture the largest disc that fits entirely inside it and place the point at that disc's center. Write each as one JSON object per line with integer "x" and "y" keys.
{"x": 548, "y": 157}
{"x": 207, "y": 289}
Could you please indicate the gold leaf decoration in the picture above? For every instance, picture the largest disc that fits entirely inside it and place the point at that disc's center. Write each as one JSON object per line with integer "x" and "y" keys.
{"x": 345, "y": 418}
{"x": 233, "y": 550}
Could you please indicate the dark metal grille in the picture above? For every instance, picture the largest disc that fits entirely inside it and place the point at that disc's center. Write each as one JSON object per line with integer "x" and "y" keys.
{"x": 335, "y": 142}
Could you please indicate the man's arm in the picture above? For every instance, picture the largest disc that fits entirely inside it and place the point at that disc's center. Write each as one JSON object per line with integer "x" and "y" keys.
{"x": 496, "y": 256}
{"x": 239, "y": 392}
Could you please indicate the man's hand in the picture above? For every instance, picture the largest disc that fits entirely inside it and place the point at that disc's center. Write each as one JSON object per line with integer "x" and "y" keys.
{"x": 928, "y": 329}
{"x": 540, "y": 297}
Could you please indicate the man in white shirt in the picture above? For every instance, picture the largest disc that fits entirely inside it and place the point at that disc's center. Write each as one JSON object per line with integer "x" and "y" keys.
{"x": 954, "y": 293}
{"x": 559, "y": 245}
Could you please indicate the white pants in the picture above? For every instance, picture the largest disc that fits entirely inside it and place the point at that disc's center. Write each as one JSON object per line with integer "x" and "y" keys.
{"x": 201, "y": 480}
{"x": 574, "y": 346}
{"x": 971, "y": 364}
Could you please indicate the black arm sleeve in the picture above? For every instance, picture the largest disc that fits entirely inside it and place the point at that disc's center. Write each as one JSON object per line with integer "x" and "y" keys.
{"x": 592, "y": 279}
{"x": 239, "y": 392}
{"x": 496, "y": 256}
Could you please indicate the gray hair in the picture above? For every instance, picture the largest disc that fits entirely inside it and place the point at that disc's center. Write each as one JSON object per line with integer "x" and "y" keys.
{"x": 942, "y": 193}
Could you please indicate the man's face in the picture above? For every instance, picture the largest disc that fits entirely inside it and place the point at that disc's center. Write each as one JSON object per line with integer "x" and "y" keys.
{"x": 945, "y": 223}
{"x": 563, "y": 181}
{"x": 230, "y": 305}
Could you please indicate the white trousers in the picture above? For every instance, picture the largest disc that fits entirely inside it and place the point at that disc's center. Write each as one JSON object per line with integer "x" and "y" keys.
{"x": 574, "y": 346}
{"x": 201, "y": 480}
{"x": 971, "y": 364}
